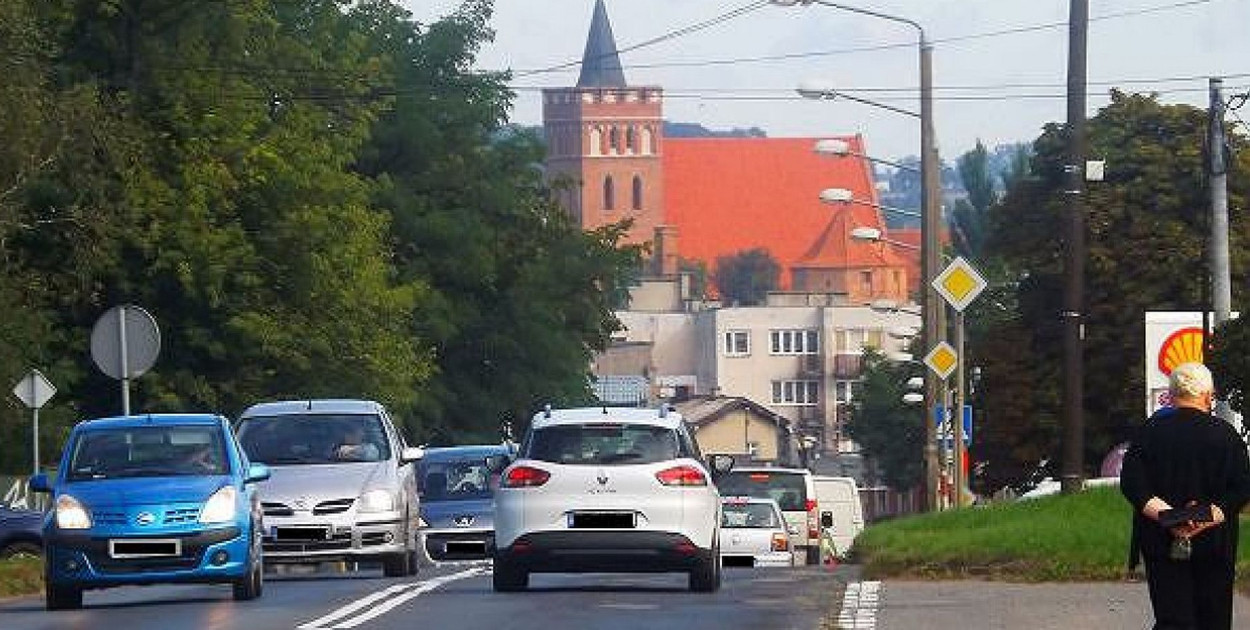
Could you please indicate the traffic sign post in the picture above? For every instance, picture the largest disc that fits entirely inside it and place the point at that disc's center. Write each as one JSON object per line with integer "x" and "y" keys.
{"x": 124, "y": 344}
{"x": 34, "y": 390}
{"x": 959, "y": 283}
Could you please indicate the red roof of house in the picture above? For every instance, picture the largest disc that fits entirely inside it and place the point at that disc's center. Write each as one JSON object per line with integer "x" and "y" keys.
{"x": 726, "y": 195}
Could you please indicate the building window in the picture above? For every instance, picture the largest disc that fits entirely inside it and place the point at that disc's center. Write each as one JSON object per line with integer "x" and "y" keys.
{"x": 614, "y": 140}
{"x": 795, "y": 342}
{"x": 874, "y": 339}
{"x": 596, "y": 141}
{"x": 637, "y": 197}
{"x": 796, "y": 393}
{"x": 737, "y": 343}
{"x": 609, "y": 193}
{"x": 844, "y": 392}
{"x": 865, "y": 280}
{"x": 849, "y": 341}
{"x": 630, "y": 140}
{"x": 648, "y": 146}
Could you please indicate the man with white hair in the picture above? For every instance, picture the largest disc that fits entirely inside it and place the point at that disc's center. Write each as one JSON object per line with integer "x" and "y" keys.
{"x": 1187, "y": 475}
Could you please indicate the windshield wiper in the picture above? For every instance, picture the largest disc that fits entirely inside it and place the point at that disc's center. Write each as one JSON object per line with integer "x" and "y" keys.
{"x": 291, "y": 460}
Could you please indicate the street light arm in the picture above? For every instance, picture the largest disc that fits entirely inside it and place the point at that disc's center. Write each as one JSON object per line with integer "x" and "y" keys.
{"x": 829, "y": 95}
{"x": 842, "y": 195}
{"x": 884, "y": 16}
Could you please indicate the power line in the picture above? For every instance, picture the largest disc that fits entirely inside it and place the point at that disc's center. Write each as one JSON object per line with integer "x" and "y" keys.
{"x": 671, "y": 35}
{"x": 844, "y": 51}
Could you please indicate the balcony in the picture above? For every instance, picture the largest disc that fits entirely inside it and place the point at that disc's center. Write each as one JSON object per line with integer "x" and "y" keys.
{"x": 811, "y": 365}
{"x": 848, "y": 366}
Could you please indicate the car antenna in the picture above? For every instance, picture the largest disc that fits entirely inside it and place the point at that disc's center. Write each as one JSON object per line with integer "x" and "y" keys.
{"x": 547, "y": 410}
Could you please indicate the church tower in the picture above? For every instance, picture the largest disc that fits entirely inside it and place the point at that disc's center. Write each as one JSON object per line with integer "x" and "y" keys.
{"x": 605, "y": 141}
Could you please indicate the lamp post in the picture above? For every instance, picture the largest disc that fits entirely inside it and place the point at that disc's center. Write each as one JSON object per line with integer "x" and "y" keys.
{"x": 841, "y": 148}
{"x": 930, "y": 223}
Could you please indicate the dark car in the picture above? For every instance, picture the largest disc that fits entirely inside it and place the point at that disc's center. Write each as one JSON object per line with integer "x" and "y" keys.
{"x": 457, "y": 502}
{"x": 21, "y": 533}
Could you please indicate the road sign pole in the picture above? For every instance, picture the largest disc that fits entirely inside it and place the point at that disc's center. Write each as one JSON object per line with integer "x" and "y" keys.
{"x": 35, "y": 442}
{"x": 121, "y": 336}
{"x": 960, "y": 451}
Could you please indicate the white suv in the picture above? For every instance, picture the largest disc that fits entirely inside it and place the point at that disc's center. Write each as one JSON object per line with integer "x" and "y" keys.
{"x": 607, "y": 490}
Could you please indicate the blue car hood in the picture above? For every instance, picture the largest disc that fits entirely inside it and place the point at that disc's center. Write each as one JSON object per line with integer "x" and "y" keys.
{"x": 440, "y": 514}
{"x": 144, "y": 490}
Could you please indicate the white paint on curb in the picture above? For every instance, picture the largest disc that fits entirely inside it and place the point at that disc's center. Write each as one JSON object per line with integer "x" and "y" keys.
{"x": 859, "y": 606}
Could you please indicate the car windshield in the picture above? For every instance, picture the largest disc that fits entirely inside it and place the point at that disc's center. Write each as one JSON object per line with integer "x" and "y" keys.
{"x": 314, "y": 439}
{"x": 786, "y": 488}
{"x": 115, "y": 453}
{"x": 749, "y": 515}
{"x": 457, "y": 481}
{"x": 603, "y": 444}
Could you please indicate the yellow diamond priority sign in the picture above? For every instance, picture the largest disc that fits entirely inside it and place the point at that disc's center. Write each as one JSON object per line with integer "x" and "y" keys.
{"x": 960, "y": 283}
{"x": 942, "y": 359}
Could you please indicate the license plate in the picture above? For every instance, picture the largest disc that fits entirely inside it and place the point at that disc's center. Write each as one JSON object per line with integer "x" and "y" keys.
{"x": 466, "y": 546}
{"x": 301, "y": 533}
{"x": 601, "y": 520}
{"x": 146, "y": 548}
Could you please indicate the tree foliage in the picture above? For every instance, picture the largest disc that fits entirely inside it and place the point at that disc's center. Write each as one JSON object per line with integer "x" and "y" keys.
{"x": 890, "y": 432}
{"x": 1145, "y": 252}
{"x": 313, "y": 198}
{"x": 745, "y": 278}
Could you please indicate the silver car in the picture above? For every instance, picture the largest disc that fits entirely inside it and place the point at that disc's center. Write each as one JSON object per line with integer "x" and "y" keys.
{"x": 343, "y": 484}
{"x": 754, "y": 533}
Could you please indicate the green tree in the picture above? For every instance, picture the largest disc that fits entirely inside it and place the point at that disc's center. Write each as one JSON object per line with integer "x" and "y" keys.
{"x": 745, "y": 278}
{"x": 890, "y": 431}
{"x": 1144, "y": 253}
{"x": 968, "y": 217}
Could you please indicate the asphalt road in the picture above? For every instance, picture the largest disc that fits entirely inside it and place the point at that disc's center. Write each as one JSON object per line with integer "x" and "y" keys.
{"x": 451, "y": 597}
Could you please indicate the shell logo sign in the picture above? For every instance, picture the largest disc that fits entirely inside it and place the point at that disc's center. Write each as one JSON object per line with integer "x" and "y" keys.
{"x": 1182, "y": 346}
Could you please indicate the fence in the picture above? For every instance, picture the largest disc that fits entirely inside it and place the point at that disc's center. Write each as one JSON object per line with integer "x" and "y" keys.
{"x": 881, "y": 503}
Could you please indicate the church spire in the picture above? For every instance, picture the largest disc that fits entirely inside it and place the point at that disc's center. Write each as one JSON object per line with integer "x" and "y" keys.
{"x": 601, "y": 65}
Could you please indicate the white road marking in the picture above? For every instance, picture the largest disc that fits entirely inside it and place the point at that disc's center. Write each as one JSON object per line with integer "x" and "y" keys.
{"x": 381, "y": 602}
{"x": 859, "y": 606}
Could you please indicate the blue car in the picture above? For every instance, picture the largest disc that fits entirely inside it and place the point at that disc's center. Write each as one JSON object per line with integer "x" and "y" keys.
{"x": 152, "y": 499}
{"x": 457, "y": 501}
{"x": 21, "y": 533}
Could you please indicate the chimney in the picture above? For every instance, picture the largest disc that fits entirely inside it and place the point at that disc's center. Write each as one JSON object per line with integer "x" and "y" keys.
{"x": 664, "y": 261}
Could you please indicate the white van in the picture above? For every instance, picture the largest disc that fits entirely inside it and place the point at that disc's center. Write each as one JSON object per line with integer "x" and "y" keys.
{"x": 841, "y": 513}
{"x": 793, "y": 490}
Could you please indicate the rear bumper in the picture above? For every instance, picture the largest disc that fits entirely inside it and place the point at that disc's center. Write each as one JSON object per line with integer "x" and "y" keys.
{"x": 604, "y": 551}
{"x": 458, "y": 544}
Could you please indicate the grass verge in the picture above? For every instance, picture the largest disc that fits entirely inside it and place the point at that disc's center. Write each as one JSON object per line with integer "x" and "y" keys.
{"x": 21, "y": 576}
{"x": 1064, "y": 538}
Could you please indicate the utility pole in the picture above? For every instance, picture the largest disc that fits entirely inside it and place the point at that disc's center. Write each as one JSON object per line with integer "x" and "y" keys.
{"x": 1221, "y": 283}
{"x": 933, "y": 307}
{"x": 1074, "y": 294}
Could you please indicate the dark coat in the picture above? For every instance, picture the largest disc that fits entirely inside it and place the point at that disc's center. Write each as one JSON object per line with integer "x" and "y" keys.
{"x": 1183, "y": 455}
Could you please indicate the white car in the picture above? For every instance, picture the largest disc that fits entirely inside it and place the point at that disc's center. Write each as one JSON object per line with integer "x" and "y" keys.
{"x": 754, "y": 534}
{"x": 794, "y": 490}
{"x": 607, "y": 490}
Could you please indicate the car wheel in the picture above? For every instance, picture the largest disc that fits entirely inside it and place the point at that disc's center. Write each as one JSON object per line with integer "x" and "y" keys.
{"x": 21, "y": 549}
{"x": 401, "y": 564}
{"x": 60, "y": 597}
{"x": 705, "y": 577}
{"x": 253, "y": 584}
{"x": 507, "y": 578}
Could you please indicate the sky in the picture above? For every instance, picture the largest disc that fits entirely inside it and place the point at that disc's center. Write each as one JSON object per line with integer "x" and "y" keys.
{"x": 999, "y": 66}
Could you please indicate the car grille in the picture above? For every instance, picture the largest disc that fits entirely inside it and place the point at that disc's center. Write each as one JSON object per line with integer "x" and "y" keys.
{"x": 277, "y": 509}
{"x": 335, "y": 542}
{"x": 334, "y": 506}
{"x": 108, "y": 518}
{"x": 181, "y": 516}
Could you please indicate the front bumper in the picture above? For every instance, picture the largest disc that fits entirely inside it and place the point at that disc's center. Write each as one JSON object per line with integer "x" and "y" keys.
{"x": 451, "y": 544}
{"x": 82, "y": 560}
{"x": 310, "y": 539}
{"x": 604, "y": 551}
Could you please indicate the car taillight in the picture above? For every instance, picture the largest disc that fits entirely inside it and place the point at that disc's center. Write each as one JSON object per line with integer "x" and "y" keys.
{"x": 525, "y": 477}
{"x": 682, "y": 476}
{"x": 813, "y": 531}
{"x": 780, "y": 542}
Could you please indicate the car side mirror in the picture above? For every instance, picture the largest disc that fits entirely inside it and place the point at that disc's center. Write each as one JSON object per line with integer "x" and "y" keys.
{"x": 411, "y": 454}
{"x": 720, "y": 464}
{"x": 826, "y": 519}
{"x": 39, "y": 483}
{"x": 496, "y": 463}
{"x": 256, "y": 473}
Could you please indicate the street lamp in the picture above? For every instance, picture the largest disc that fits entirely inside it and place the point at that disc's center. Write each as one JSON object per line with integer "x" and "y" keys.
{"x": 838, "y": 147}
{"x": 930, "y": 223}
{"x": 874, "y": 235}
{"x": 845, "y": 196}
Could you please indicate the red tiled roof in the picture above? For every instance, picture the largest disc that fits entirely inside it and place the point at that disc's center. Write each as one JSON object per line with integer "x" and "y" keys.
{"x": 726, "y": 195}
{"x": 836, "y": 249}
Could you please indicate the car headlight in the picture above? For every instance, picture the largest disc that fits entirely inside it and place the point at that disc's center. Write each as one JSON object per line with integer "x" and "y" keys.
{"x": 220, "y": 507}
{"x": 70, "y": 514}
{"x": 376, "y": 501}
